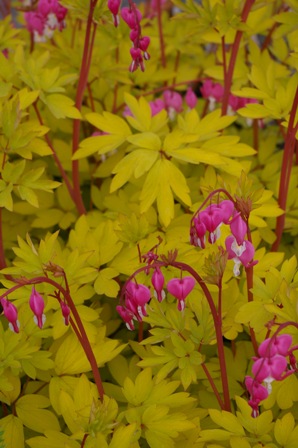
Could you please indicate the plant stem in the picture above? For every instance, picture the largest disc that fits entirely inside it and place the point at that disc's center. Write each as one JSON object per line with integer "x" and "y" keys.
{"x": 235, "y": 48}
{"x": 82, "y": 83}
{"x": 210, "y": 379}
{"x": 286, "y": 168}
{"x": 84, "y": 440}
{"x": 55, "y": 156}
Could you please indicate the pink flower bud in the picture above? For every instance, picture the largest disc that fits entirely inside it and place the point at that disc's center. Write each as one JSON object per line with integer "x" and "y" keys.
{"x": 158, "y": 281}
{"x": 65, "y": 312}
{"x": 11, "y": 314}
{"x": 191, "y": 98}
{"x": 36, "y": 303}
{"x": 180, "y": 288}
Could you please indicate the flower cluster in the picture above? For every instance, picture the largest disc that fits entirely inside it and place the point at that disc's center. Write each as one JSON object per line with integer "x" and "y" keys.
{"x": 207, "y": 223}
{"x": 36, "y": 303}
{"x": 48, "y": 16}
{"x": 275, "y": 354}
{"x": 136, "y": 296}
{"x": 132, "y": 17}
{"x": 213, "y": 91}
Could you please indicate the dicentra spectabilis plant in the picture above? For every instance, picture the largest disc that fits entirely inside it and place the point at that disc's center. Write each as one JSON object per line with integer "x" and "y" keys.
{"x": 148, "y": 223}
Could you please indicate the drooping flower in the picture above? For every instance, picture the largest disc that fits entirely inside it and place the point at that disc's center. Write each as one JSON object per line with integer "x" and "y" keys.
{"x": 238, "y": 228}
{"x": 191, "y": 98}
{"x": 173, "y": 102}
{"x": 212, "y": 91}
{"x": 158, "y": 282}
{"x": 114, "y": 6}
{"x": 134, "y": 306}
{"x": 127, "y": 316}
{"x": 269, "y": 369}
{"x": 65, "y": 312}
{"x": 37, "y": 305}
{"x": 257, "y": 393}
{"x": 136, "y": 298}
{"x": 131, "y": 17}
{"x": 198, "y": 233}
{"x": 48, "y": 16}
{"x": 209, "y": 220}
{"x": 241, "y": 254}
{"x": 212, "y": 218}
{"x": 180, "y": 288}
{"x": 156, "y": 106}
{"x": 137, "y": 60}
{"x": 11, "y": 313}
{"x": 278, "y": 345}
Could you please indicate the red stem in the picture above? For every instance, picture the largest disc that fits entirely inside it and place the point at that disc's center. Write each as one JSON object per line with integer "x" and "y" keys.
{"x": 210, "y": 379}
{"x": 83, "y": 78}
{"x": 84, "y": 440}
{"x": 235, "y": 48}
{"x": 286, "y": 168}
{"x": 55, "y": 156}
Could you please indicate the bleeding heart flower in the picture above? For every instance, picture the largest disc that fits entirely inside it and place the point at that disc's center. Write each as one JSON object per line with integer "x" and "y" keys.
{"x": 180, "y": 288}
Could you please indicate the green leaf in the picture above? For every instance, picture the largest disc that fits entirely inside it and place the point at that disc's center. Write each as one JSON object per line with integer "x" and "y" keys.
{"x": 13, "y": 432}
{"x": 146, "y": 140}
{"x": 227, "y": 421}
{"x": 141, "y": 111}
{"x": 53, "y": 439}
{"x": 134, "y": 164}
{"x": 30, "y": 409}
{"x": 109, "y": 123}
{"x": 61, "y": 106}
{"x": 104, "y": 283}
